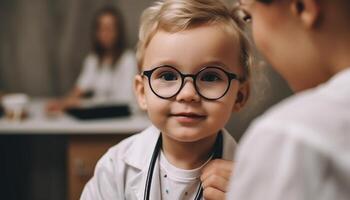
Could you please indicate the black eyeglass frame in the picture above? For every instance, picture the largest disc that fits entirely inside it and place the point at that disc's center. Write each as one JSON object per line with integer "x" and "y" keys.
{"x": 230, "y": 76}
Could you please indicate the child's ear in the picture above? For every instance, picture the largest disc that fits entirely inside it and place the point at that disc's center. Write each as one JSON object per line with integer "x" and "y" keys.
{"x": 308, "y": 11}
{"x": 139, "y": 90}
{"x": 242, "y": 96}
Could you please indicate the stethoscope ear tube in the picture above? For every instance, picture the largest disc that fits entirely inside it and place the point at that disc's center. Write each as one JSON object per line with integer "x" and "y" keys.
{"x": 217, "y": 153}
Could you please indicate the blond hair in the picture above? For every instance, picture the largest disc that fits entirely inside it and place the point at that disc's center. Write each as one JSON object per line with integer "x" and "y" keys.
{"x": 177, "y": 15}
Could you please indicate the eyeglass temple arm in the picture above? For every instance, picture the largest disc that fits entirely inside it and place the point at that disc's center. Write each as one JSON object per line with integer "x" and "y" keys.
{"x": 234, "y": 76}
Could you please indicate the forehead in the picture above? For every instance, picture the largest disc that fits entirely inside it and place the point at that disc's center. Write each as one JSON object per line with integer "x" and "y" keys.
{"x": 190, "y": 49}
{"x": 107, "y": 18}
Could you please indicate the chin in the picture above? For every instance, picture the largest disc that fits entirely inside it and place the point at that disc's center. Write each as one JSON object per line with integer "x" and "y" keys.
{"x": 182, "y": 136}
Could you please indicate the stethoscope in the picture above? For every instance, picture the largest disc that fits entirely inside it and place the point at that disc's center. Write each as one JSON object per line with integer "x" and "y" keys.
{"x": 217, "y": 153}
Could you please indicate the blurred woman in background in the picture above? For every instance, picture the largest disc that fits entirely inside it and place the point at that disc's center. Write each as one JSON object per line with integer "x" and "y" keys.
{"x": 108, "y": 71}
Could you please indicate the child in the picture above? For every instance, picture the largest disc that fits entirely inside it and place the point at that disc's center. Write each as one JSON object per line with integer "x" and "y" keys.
{"x": 300, "y": 148}
{"x": 194, "y": 70}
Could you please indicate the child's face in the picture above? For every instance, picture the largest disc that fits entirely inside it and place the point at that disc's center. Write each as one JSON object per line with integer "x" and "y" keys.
{"x": 188, "y": 117}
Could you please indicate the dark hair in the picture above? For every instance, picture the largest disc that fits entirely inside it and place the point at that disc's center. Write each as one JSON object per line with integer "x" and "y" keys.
{"x": 120, "y": 43}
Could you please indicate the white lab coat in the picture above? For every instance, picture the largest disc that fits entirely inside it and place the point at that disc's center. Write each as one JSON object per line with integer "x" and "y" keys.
{"x": 300, "y": 149}
{"x": 121, "y": 173}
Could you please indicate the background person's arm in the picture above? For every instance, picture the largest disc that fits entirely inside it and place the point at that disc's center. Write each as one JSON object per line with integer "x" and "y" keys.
{"x": 84, "y": 84}
{"x": 71, "y": 100}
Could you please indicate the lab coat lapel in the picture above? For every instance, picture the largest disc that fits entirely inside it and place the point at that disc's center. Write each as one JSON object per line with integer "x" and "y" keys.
{"x": 155, "y": 185}
{"x": 139, "y": 186}
{"x": 139, "y": 157}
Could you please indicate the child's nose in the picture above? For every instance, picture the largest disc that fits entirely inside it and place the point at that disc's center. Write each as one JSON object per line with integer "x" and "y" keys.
{"x": 188, "y": 92}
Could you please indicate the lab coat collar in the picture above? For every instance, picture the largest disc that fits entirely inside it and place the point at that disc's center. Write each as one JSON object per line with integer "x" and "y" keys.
{"x": 142, "y": 149}
{"x": 145, "y": 144}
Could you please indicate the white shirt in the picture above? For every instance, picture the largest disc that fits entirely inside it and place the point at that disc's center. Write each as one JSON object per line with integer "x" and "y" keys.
{"x": 122, "y": 172}
{"x": 113, "y": 83}
{"x": 176, "y": 183}
{"x": 300, "y": 149}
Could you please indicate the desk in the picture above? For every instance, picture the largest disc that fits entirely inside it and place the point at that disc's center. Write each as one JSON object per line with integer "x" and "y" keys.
{"x": 39, "y": 123}
{"x": 87, "y": 141}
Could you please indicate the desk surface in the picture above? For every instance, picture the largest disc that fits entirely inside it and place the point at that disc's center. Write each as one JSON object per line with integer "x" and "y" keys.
{"x": 39, "y": 123}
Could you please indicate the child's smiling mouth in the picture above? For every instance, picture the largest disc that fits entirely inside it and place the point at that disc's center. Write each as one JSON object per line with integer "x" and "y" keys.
{"x": 188, "y": 117}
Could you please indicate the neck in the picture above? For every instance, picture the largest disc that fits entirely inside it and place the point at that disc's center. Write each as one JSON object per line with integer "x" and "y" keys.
{"x": 107, "y": 58}
{"x": 341, "y": 60}
{"x": 331, "y": 56}
{"x": 188, "y": 155}
{"x": 335, "y": 43}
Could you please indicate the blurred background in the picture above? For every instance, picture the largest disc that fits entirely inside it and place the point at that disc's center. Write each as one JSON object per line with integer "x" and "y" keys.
{"x": 43, "y": 44}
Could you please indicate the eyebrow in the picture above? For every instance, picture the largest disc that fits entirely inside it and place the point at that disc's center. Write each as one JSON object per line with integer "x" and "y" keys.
{"x": 163, "y": 63}
{"x": 217, "y": 64}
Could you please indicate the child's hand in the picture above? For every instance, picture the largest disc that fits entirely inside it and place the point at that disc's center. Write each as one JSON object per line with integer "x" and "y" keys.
{"x": 215, "y": 178}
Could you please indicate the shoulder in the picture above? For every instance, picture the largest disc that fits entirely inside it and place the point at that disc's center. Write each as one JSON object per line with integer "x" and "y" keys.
{"x": 126, "y": 64}
{"x": 311, "y": 109}
{"x": 297, "y": 107}
{"x": 129, "y": 153}
{"x": 128, "y": 53}
{"x": 91, "y": 58}
{"x": 325, "y": 105}
{"x": 127, "y": 58}
{"x": 130, "y": 144}
{"x": 286, "y": 121}
{"x": 90, "y": 62}
{"x": 122, "y": 160}
{"x": 134, "y": 149}
{"x": 306, "y": 118}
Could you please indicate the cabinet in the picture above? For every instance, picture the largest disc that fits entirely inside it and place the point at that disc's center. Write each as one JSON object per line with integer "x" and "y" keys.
{"x": 83, "y": 153}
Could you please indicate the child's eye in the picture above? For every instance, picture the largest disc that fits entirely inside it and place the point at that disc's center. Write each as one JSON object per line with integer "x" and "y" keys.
{"x": 210, "y": 77}
{"x": 168, "y": 76}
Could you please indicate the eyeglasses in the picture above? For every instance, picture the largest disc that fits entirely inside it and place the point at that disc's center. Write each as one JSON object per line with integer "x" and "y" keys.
{"x": 211, "y": 83}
